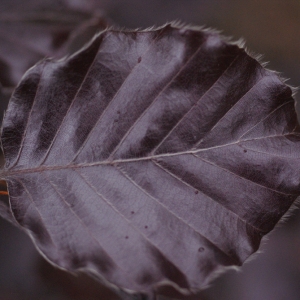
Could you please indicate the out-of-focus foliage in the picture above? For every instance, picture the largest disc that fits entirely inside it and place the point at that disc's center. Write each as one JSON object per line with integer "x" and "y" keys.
{"x": 33, "y": 30}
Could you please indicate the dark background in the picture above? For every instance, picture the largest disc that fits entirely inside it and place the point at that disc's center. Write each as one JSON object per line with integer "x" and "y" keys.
{"x": 269, "y": 27}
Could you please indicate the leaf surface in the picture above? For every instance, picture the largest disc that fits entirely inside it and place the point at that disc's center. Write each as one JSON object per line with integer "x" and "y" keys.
{"x": 151, "y": 158}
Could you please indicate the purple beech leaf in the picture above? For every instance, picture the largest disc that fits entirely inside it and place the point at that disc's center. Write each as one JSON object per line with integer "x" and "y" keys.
{"x": 48, "y": 31}
{"x": 151, "y": 159}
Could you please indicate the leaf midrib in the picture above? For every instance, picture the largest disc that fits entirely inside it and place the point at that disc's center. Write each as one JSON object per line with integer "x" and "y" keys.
{"x": 11, "y": 172}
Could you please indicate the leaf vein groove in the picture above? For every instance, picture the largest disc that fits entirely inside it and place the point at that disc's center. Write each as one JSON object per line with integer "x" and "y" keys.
{"x": 273, "y": 111}
{"x": 72, "y": 103}
{"x": 122, "y": 216}
{"x": 228, "y": 111}
{"x": 111, "y": 101}
{"x": 163, "y": 89}
{"x": 241, "y": 177}
{"x": 270, "y": 154}
{"x": 215, "y": 201}
{"x": 194, "y": 105}
{"x": 79, "y": 219}
{"x": 28, "y": 119}
{"x": 174, "y": 214}
{"x": 38, "y": 211}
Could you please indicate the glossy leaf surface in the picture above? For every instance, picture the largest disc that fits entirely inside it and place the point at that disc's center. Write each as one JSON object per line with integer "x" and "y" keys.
{"x": 151, "y": 158}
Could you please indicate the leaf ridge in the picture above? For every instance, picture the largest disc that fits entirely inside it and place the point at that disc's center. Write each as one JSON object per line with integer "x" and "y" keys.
{"x": 226, "y": 208}
{"x": 195, "y": 104}
{"x": 80, "y": 221}
{"x": 241, "y": 177}
{"x": 30, "y": 113}
{"x": 38, "y": 211}
{"x": 167, "y": 84}
{"x": 262, "y": 120}
{"x": 271, "y": 154}
{"x": 120, "y": 214}
{"x": 226, "y": 113}
{"x": 174, "y": 214}
{"x": 112, "y": 100}
{"x": 73, "y": 100}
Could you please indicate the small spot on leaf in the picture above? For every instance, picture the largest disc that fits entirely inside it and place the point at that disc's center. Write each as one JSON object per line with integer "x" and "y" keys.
{"x": 196, "y": 192}
{"x": 201, "y": 249}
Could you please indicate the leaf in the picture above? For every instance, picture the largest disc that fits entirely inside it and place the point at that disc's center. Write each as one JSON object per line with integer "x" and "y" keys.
{"x": 41, "y": 30}
{"x": 6, "y": 213}
{"x": 151, "y": 159}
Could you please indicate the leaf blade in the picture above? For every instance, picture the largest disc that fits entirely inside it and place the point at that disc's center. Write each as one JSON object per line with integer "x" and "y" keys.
{"x": 131, "y": 156}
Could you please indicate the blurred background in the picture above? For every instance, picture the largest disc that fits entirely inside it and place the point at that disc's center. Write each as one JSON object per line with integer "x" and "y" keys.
{"x": 269, "y": 27}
